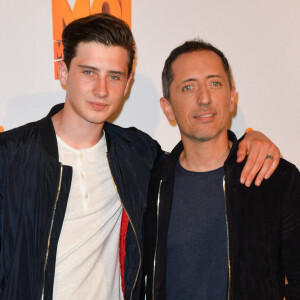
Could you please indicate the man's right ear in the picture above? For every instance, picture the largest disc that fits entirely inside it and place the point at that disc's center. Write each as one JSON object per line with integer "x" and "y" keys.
{"x": 167, "y": 109}
{"x": 62, "y": 73}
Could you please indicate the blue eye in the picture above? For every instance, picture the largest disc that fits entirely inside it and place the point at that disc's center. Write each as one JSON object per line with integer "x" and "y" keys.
{"x": 187, "y": 88}
{"x": 114, "y": 77}
{"x": 216, "y": 83}
{"x": 88, "y": 72}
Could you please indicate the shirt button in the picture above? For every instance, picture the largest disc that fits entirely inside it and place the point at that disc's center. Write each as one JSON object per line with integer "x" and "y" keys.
{"x": 82, "y": 176}
{"x": 81, "y": 155}
{"x": 86, "y": 195}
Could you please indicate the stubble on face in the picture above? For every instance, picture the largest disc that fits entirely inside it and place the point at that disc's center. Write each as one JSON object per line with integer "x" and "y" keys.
{"x": 193, "y": 136}
{"x": 201, "y": 98}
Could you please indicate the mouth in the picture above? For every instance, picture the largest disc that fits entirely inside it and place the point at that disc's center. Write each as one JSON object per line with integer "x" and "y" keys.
{"x": 204, "y": 116}
{"x": 98, "y": 106}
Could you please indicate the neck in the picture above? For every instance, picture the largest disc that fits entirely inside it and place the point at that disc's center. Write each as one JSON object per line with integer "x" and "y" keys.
{"x": 79, "y": 135}
{"x": 204, "y": 156}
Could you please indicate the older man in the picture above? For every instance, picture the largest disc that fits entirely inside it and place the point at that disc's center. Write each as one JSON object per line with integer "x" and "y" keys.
{"x": 207, "y": 235}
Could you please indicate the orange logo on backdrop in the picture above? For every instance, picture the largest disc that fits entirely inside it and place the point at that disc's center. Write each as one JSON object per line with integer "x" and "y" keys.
{"x": 62, "y": 15}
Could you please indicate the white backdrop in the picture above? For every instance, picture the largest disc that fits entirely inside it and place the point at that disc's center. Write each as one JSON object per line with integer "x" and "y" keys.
{"x": 261, "y": 40}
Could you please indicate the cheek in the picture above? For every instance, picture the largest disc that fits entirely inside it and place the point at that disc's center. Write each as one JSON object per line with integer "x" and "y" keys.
{"x": 116, "y": 94}
{"x": 76, "y": 84}
{"x": 77, "y": 89}
{"x": 181, "y": 115}
{"x": 119, "y": 89}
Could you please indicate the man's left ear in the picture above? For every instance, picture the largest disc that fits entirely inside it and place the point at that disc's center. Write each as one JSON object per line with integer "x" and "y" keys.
{"x": 62, "y": 73}
{"x": 167, "y": 109}
{"x": 128, "y": 83}
{"x": 232, "y": 99}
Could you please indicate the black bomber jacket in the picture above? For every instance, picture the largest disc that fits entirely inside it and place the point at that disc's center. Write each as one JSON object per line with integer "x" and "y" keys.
{"x": 34, "y": 189}
{"x": 263, "y": 230}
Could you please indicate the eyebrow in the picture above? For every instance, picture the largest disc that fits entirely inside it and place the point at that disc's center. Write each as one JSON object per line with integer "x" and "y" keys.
{"x": 188, "y": 80}
{"x": 116, "y": 72}
{"x": 98, "y": 70}
{"x": 215, "y": 76}
{"x": 208, "y": 77}
{"x": 88, "y": 67}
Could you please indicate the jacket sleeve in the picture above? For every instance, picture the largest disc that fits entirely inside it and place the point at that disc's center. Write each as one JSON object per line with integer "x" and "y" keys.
{"x": 1, "y": 267}
{"x": 1, "y": 220}
{"x": 290, "y": 232}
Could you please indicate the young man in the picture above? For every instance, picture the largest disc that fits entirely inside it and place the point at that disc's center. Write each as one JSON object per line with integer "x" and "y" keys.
{"x": 207, "y": 235}
{"x": 73, "y": 187}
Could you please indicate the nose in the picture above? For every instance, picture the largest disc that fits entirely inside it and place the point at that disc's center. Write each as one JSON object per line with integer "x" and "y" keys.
{"x": 204, "y": 97}
{"x": 100, "y": 88}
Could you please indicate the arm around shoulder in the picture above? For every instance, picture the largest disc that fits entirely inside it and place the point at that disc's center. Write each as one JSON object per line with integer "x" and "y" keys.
{"x": 259, "y": 148}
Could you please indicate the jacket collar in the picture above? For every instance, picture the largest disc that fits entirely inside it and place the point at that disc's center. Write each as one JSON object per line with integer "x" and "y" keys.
{"x": 48, "y": 135}
{"x": 232, "y": 156}
{"x": 47, "y": 132}
{"x": 171, "y": 160}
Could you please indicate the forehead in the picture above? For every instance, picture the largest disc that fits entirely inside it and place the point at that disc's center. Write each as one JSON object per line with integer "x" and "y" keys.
{"x": 97, "y": 49}
{"x": 199, "y": 62}
{"x": 92, "y": 53}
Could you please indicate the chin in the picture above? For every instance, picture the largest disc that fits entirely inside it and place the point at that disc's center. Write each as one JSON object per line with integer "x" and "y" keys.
{"x": 202, "y": 136}
{"x": 97, "y": 118}
{"x": 95, "y": 121}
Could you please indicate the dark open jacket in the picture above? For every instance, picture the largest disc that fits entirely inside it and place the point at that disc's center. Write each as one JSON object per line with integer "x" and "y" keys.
{"x": 34, "y": 189}
{"x": 263, "y": 230}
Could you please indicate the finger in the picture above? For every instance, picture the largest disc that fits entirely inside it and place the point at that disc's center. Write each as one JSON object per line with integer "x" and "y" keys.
{"x": 264, "y": 149}
{"x": 242, "y": 151}
{"x": 256, "y": 167}
{"x": 272, "y": 169}
{"x": 276, "y": 160}
{"x": 269, "y": 165}
{"x": 263, "y": 171}
{"x": 251, "y": 159}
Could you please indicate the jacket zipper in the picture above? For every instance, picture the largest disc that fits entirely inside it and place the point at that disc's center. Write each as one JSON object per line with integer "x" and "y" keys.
{"x": 51, "y": 227}
{"x": 139, "y": 247}
{"x": 228, "y": 255}
{"x": 156, "y": 242}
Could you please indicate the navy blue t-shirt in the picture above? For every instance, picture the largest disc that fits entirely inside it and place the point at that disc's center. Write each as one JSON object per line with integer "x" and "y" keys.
{"x": 197, "y": 265}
